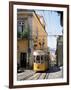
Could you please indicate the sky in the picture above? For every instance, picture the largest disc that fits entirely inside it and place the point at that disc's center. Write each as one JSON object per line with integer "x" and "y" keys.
{"x": 52, "y": 25}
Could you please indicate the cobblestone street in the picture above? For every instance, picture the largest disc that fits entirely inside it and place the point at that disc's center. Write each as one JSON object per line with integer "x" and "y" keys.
{"x": 52, "y": 73}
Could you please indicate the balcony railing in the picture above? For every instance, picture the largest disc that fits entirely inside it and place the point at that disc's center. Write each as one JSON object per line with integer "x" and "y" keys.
{"x": 24, "y": 34}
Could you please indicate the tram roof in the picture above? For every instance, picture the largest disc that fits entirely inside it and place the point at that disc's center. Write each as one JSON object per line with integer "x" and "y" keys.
{"x": 39, "y": 52}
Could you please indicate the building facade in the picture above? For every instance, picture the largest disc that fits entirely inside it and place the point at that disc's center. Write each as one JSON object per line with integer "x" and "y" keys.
{"x": 59, "y": 51}
{"x": 31, "y": 35}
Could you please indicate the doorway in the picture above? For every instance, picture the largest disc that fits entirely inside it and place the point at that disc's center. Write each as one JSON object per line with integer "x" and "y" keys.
{"x": 23, "y": 59}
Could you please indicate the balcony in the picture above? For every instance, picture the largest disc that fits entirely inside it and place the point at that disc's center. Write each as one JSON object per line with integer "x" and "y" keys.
{"x": 23, "y": 34}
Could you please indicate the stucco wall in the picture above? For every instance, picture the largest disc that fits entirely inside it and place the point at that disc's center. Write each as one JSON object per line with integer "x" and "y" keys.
{"x": 39, "y": 31}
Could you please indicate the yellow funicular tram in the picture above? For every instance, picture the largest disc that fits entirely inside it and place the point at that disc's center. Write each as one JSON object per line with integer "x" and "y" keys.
{"x": 40, "y": 60}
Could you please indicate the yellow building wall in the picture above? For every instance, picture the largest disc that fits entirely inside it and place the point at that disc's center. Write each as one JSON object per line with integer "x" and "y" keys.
{"x": 22, "y": 45}
{"x": 36, "y": 27}
{"x": 25, "y": 15}
{"x": 42, "y": 34}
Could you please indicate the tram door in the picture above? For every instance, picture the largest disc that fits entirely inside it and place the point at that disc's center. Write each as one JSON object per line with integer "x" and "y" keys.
{"x": 23, "y": 59}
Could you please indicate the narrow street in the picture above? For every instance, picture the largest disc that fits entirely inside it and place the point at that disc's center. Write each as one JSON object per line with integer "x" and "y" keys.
{"x": 52, "y": 73}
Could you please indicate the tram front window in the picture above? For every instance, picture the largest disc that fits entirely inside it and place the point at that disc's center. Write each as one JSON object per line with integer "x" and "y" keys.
{"x": 38, "y": 59}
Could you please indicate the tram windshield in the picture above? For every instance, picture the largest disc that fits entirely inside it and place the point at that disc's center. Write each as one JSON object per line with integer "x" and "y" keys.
{"x": 37, "y": 59}
{"x": 42, "y": 58}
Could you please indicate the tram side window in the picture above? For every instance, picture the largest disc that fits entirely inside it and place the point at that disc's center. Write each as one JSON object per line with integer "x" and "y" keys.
{"x": 38, "y": 59}
{"x": 42, "y": 59}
